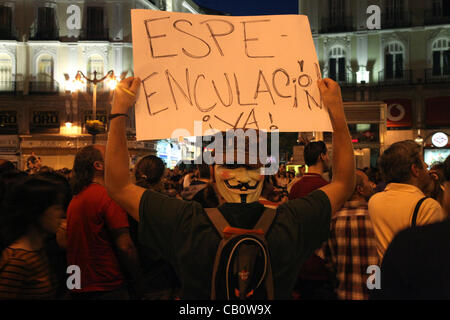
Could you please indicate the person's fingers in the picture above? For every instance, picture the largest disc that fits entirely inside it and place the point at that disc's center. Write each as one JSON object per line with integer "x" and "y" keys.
{"x": 135, "y": 85}
{"x": 126, "y": 83}
{"x": 321, "y": 85}
{"x": 330, "y": 83}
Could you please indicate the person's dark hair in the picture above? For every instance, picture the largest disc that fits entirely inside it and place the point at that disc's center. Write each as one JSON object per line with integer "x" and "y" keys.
{"x": 24, "y": 205}
{"x": 46, "y": 169}
{"x": 312, "y": 152}
{"x": 9, "y": 180}
{"x": 204, "y": 171}
{"x": 149, "y": 171}
{"x": 6, "y": 166}
{"x": 83, "y": 168}
{"x": 396, "y": 161}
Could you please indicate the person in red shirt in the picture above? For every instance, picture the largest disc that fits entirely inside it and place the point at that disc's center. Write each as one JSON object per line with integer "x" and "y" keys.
{"x": 318, "y": 162}
{"x": 98, "y": 238}
{"x": 313, "y": 280}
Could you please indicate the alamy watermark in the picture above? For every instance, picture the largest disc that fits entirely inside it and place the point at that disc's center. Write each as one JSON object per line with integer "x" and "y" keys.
{"x": 374, "y": 280}
{"x": 235, "y": 146}
{"x": 374, "y": 20}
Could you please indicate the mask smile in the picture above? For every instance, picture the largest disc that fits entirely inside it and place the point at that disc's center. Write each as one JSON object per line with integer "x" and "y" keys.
{"x": 241, "y": 186}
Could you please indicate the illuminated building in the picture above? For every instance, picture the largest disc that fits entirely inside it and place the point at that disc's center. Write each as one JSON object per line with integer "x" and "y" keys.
{"x": 42, "y": 46}
{"x": 405, "y": 63}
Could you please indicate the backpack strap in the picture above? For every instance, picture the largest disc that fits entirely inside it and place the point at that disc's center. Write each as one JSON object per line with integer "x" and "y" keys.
{"x": 217, "y": 219}
{"x": 264, "y": 223}
{"x": 416, "y": 211}
{"x": 266, "y": 219}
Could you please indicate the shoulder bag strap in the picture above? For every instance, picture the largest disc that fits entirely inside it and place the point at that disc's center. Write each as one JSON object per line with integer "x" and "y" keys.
{"x": 416, "y": 211}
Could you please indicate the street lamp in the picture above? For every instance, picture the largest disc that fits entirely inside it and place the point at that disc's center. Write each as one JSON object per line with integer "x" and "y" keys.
{"x": 95, "y": 126}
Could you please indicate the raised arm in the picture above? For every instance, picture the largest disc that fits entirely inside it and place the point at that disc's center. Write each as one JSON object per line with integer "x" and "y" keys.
{"x": 117, "y": 173}
{"x": 342, "y": 185}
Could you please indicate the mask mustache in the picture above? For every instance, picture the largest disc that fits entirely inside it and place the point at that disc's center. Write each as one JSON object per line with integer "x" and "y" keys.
{"x": 242, "y": 186}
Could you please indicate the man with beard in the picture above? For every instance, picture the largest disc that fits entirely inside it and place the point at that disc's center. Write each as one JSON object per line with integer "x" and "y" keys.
{"x": 181, "y": 232}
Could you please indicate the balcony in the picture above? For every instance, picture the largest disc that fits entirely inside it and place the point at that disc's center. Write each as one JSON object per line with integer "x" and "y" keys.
{"x": 335, "y": 25}
{"x": 395, "y": 78}
{"x": 8, "y": 87}
{"x": 47, "y": 33}
{"x": 43, "y": 87}
{"x": 95, "y": 34}
{"x": 437, "y": 76}
{"x": 7, "y": 33}
{"x": 436, "y": 17}
{"x": 396, "y": 20}
{"x": 347, "y": 79}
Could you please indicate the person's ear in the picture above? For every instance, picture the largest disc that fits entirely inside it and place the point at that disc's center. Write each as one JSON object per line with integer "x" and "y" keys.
{"x": 99, "y": 165}
{"x": 359, "y": 190}
{"x": 415, "y": 170}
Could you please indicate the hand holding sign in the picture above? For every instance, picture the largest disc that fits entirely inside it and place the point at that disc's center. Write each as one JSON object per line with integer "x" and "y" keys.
{"x": 125, "y": 94}
{"x": 332, "y": 98}
{"x": 225, "y": 72}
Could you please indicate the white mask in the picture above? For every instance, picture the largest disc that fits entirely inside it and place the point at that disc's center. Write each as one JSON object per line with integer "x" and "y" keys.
{"x": 239, "y": 185}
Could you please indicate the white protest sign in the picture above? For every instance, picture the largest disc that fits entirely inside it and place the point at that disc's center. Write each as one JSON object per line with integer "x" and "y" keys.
{"x": 255, "y": 72}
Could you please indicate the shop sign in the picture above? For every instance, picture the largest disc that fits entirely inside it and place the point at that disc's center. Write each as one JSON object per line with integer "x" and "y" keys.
{"x": 439, "y": 139}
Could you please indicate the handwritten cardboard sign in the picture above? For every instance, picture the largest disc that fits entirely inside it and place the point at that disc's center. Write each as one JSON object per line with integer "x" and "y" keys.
{"x": 225, "y": 72}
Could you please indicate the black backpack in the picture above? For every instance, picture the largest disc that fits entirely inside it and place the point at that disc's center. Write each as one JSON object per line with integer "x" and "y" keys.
{"x": 242, "y": 269}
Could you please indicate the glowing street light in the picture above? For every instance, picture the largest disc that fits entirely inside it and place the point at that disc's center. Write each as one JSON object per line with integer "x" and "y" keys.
{"x": 95, "y": 126}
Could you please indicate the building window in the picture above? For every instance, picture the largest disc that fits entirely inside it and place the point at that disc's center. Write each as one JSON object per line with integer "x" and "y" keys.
{"x": 6, "y": 23}
{"x": 441, "y": 8}
{"x": 46, "y": 24}
{"x": 45, "y": 67}
{"x": 395, "y": 15}
{"x": 6, "y": 76}
{"x": 95, "y": 64}
{"x": 394, "y": 9}
{"x": 337, "y": 11}
{"x": 337, "y": 64}
{"x": 441, "y": 57}
{"x": 393, "y": 61}
{"x": 95, "y": 24}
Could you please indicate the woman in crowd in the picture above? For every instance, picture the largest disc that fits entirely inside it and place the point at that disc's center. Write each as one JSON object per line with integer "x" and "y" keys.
{"x": 31, "y": 212}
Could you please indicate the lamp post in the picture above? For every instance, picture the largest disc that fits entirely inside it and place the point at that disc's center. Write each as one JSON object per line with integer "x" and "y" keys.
{"x": 95, "y": 126}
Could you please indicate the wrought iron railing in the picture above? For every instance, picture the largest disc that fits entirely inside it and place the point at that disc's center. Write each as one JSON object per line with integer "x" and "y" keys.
{"x": 396, "y": 20}
{"x": 95, "y": 34}
{"x": 436, "y": 16}
{"x": 44, "y": 33}
{"x": 395, "y": 77}
{"x": 334, "y": 25}
{"x": 46, "y": 87}
{"x": 437, "y": 75}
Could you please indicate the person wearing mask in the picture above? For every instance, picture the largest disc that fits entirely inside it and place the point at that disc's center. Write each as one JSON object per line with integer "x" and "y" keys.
{"x": 181, "y": 231}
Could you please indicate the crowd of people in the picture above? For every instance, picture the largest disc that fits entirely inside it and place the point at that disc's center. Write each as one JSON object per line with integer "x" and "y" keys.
{"x": 145, "y": 235}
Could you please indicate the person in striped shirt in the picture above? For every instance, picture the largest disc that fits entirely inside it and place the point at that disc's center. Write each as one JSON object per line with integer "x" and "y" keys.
{"x": 31, "y": 212}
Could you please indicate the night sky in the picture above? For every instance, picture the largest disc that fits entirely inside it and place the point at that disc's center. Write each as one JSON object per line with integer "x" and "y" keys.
{"x": 251, "y": 7}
